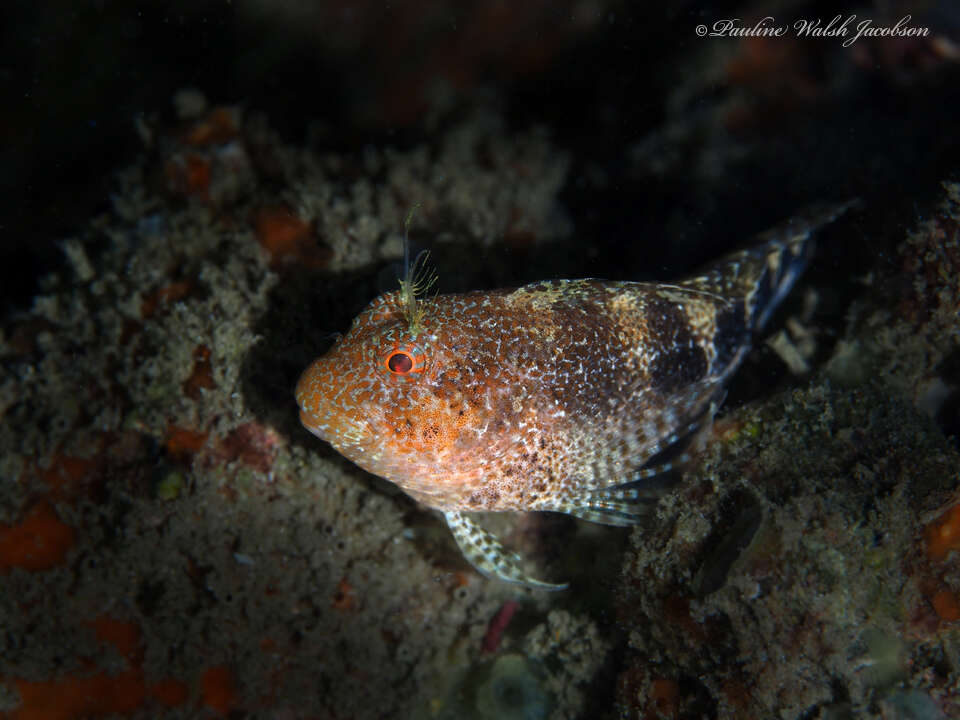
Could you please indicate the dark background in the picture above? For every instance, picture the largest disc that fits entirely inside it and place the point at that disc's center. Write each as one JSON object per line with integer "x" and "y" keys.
{"x": 693, "y": 142}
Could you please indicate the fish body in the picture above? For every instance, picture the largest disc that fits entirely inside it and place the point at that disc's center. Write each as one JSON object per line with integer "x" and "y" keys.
{"x": 553, "y": 396}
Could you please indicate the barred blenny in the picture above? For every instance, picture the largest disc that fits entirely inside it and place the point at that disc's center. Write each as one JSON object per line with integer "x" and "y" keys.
{"x": 552, "y": 396}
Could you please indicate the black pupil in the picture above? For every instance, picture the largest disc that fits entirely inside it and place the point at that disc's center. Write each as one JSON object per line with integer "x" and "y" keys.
{"x": 400, "y": 363}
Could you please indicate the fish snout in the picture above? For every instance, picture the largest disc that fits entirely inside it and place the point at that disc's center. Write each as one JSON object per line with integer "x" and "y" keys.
{"x": 311, "y": 391}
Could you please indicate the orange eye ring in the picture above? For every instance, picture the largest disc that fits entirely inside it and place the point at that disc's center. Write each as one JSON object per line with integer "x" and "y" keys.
{"x": 399, "y": 362}
{"x": 403, "y": 362}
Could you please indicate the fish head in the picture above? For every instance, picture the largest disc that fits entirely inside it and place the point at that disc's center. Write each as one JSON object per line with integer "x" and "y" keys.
{"x": 410, "y": 404}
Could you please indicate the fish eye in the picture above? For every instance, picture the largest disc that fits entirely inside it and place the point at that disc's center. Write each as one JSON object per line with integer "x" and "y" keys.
{"x": 399, "y": 362}
{"x": 404, "y": 360}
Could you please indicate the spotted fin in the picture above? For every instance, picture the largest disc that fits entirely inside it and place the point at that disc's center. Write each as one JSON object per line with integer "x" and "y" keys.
{"x": 617, "y": 506}
{"x": 487, "y": 555}
{"x": 692, "y": 421}
{"x": 630, "y": 501}
{"x": 761, "y": 276}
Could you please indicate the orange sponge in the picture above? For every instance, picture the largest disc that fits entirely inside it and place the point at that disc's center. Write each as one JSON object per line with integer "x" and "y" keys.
{"x": 39, "y": 542}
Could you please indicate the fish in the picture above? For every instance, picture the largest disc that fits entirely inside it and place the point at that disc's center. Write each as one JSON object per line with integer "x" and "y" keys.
{"x": 560, "y": 395}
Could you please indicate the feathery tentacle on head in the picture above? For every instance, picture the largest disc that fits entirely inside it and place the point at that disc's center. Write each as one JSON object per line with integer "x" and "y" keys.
{"x": 417, "y": 280}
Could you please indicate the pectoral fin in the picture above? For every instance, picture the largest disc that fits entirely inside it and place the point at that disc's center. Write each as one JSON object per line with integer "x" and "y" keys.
{"x": 487, "y": 555}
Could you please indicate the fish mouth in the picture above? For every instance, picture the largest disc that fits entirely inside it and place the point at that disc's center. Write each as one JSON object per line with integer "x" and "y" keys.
{"x": 324, "y": 417}
{"x": 315, "y": 414}
{"x": 310, "y": 422}
{"x": 308, "y": 385}
{"x": 337, "y": 428}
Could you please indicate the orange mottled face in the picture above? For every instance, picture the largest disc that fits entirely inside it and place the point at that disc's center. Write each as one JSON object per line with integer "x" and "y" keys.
{"x": 404, "y": 407}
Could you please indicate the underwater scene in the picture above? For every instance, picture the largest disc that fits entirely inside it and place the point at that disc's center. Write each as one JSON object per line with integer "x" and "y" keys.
{"x": 480, "y": 360}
